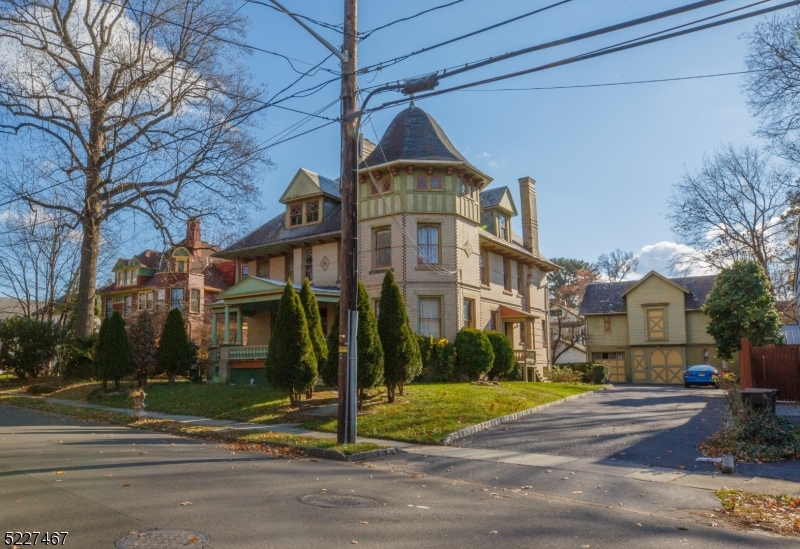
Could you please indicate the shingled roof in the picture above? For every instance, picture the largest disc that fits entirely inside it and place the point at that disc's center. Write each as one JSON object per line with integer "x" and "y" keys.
{"x": 413, "y": 135}
{"x": 492, "y": 197}
{"x": 606, "y": 297}
{"x": 275, "y": 232}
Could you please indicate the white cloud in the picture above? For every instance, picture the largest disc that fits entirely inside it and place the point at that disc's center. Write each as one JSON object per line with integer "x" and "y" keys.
{"x": 659, "y": 257}
{"x": 493, "y": 164}
{"x": 484, "y": 154}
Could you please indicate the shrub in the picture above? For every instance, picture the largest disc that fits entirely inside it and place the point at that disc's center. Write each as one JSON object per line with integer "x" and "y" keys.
{"x": 112, "y": 358}
{"x": 564, "y": 374}
{"x": 370, "y": 352}
{"x": 314, "y": 321}
{"x": 329, "y": 369}
{"x": 173, "y": 347}
{"x": 504, "y": 361}
{"x": 598, "y": 373}
{"x": 26, "y": 346}
{"x": 438, "y": 359}
{"x": 77, "y": 357}
{"x": 401, "y": 358}
{"x": 291, "y": 363}
{"x": 474, "y": 353}
{"x": 144, "y": 353}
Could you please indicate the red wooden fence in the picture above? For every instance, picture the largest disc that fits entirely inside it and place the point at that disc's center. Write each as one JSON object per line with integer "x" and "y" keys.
{"x": 771, "y": 368}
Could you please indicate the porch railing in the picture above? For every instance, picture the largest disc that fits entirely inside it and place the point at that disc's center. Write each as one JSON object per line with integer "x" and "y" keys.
{"x": 524, "y": 356}
{"x": 248, "y": 352}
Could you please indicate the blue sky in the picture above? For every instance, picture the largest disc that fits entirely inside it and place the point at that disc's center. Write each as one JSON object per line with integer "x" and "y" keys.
{"x": 604, "y": 158}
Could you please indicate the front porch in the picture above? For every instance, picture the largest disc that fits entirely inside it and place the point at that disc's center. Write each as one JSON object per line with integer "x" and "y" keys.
{"x": 241, "y": 327}
{"x": 523, "y": 343}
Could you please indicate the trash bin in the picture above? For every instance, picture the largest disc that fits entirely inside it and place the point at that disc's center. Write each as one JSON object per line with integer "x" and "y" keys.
{"x": 760, "y": 399}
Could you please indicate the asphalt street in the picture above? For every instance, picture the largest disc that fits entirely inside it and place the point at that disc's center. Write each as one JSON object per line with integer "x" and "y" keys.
{"x": 658, "y": 426}
{"x": 100, "y": 483}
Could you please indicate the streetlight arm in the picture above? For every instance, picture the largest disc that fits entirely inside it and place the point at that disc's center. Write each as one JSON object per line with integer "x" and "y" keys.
{"x": 342, "y": 56}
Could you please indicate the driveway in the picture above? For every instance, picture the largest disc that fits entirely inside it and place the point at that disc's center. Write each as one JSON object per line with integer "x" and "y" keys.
{"x": 653, "y": 426}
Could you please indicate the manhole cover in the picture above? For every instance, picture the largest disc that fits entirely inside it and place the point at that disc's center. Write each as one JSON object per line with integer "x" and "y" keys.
{"x": 163, "y": 539}
{"x": 332, "y": 500}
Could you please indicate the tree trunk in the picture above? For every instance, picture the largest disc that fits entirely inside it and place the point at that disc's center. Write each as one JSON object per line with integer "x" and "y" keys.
{"x": 400, "y": 388}
{"x": 87, "y": 279}
{"x": 116, "y": 385}
{"x": 105, "y": 384}
{"x": 171, "y": 378}
{"x": 390, "y": 394}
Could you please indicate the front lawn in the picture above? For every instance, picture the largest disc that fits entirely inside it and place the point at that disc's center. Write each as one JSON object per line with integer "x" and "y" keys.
{"x": 429, "y": 412}
{"x": 238, "y": 403}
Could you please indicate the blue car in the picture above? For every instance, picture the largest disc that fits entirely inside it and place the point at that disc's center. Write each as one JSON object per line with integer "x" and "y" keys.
{"x": 700, "y": 374}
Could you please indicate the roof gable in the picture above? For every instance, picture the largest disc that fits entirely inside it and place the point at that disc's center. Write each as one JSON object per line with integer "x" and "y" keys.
{"x": 607, "y": 297}
{"x": 120, "y": 265}
{"x": 657, "y": 275}
{"x": 307, "y": 183}
{"x": 499, "y": 198}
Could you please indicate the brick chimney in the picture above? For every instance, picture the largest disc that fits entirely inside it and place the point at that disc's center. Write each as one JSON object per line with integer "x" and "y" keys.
{"x": 367, "y": 147}
{"x": 193, "y": 232}
{"x": 530, "y": 219}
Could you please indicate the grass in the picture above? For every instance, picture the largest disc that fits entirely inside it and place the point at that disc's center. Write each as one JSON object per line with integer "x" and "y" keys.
{"x": 425, "y": 414}
{"x": 8, "y": 378}
{"x": 274, "y": 443}
{"x": 775, "y": 513}
{"x": 429, "y": 412}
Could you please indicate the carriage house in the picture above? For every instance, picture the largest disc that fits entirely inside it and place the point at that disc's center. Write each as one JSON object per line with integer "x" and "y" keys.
{"x": 650, "y": 330}
{"x": 424, "y": 212}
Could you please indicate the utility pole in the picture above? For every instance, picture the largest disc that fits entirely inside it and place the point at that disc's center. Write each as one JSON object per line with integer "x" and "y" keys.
{"x": 348, "y": 269}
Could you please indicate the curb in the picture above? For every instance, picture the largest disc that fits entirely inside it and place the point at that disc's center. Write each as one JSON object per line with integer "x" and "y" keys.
{"x": 337, "y": 455}
{"x": 472, "y": 429}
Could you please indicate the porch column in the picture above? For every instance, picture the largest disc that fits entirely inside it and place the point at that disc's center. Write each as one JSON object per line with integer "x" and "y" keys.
{"x": 239, "y": 325}
{"x": 213, "y": 328}
{"x": 226, "y": 339}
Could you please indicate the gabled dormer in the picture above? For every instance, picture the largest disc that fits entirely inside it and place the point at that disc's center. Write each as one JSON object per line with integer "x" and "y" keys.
{"x": 180, "y": 260}
{"x": 497, "y": 209}
{"x": 309, "y": 198}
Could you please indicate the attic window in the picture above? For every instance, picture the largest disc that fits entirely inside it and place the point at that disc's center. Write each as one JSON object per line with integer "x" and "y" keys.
{"x": 312, "y": 211}
{"x": 436, "y": 182}
{"x": 373, "y": 189}
{"x": 467, "y": 190}
{"x": 296, "y": 214}
{"x": 387, "y": 185}
{"x": 422, "y": 183}
{"x": 502, "y": 227}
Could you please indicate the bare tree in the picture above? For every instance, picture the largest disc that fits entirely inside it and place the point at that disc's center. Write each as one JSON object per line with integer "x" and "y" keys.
{"x": 39, "y": 256}
{"x": 735, "y": 207}
{"x": 616, "y": 265}
{"x": 128, "y": 105}
{"x": 567, "y": 331}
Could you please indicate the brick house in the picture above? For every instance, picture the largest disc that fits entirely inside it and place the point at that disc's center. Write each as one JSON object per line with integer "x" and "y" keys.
{"x": 426, "y": 213}
{"x": 185, "y": 277}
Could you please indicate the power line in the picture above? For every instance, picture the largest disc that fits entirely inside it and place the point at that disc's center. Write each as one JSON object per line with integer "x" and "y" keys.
{"x": 578, "y": 86}
{"x": 366, "y": 34}
{"x": 221, "y": 38}
{"x": 337, "y": 28}
{"x": 458, "y": 69}
{"x": 597, "y": 53}
{"x": 464, "y": 36}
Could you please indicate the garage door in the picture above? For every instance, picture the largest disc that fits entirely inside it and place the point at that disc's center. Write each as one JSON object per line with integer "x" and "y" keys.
{"x": 666, "y": 367}
{"x": 615, "y": 362}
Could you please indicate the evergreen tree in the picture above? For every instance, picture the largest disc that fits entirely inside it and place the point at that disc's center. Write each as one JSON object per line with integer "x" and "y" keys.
{"x": 144, "y": 352}
{"x": 401, "y": 357}
{"x": 370, "y": 352}
{"x": 314, "y": 322}
{"x": 504, "y": 362}
{"x": 740, "y": 305}
{"x": 474, "y": 353}
{"x": 112, "y": 354}
{"x": 173, "y": 347}
{"x": 329, "y": 369}
{"x": 291, "y": 363}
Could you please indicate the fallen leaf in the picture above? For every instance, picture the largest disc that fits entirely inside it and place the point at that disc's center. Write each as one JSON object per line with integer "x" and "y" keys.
{"x": 577, "y": 492}
{"x": 185, "y": 503}
{"x": 126, "y": 485}
{"x": 682, "y": 528}
{"x": 364, "y": 522}
{"x": 59, "y": 472}
{"x": 109, "y": 475}
{"x": 681, "y": 466}
{"x": 493, "y": 532}
{"x": 639, "y": 524}
{"x": 192, "y": 539}
{"x": 354, "y": 542}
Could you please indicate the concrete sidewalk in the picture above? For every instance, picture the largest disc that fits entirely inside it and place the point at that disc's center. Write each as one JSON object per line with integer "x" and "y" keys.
{"x": 611, "y": 467}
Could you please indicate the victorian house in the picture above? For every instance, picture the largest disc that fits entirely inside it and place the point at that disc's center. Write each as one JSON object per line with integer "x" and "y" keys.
{"x": 185, "y": 277}
{"x": 424, "y": 212}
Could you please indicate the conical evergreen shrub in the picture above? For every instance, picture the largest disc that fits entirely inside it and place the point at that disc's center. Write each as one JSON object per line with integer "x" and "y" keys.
{"x": 329, "y": 369}
{"x": 314, "y": 321}
{"x": 291, "y": 363}
{"x": 173, "y": 347}
{"x": 370, "y": 352}
{"x": 504, "y": 362}
{"x": 401, "y": 357}
{"x": 112, "y": 357}
{"x": 144, "y": 352}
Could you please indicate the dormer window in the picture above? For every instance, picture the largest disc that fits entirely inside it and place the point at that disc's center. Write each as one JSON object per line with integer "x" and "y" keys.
{"x": 180, "y": 266}
{"x": 296, "y": 215}
{"x": 133, "y": 277}
{"x": 304, "y": 213}
{"x": 502, "y": 227}
{"x": 467, "y": 189}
